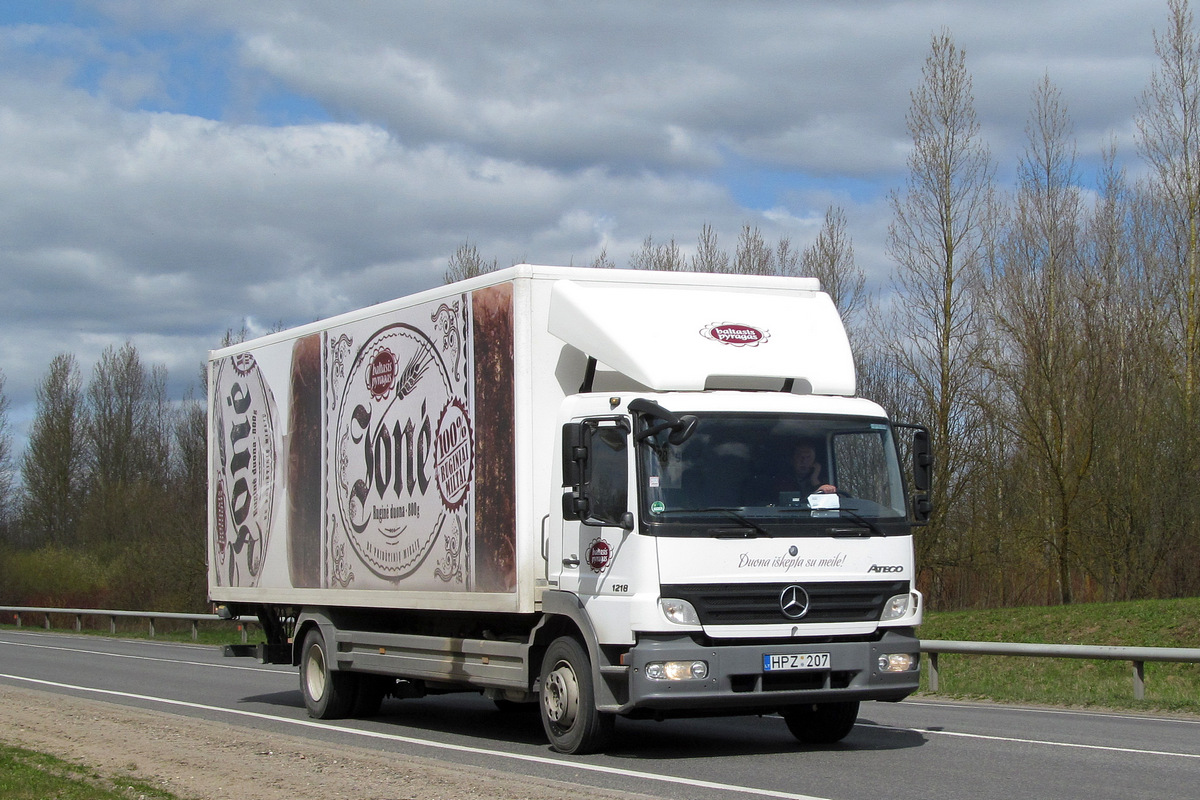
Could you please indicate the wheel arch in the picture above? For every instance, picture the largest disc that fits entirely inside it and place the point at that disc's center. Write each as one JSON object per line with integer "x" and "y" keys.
{"x": 306, "y": 620}
{"x": 564, "y": 615}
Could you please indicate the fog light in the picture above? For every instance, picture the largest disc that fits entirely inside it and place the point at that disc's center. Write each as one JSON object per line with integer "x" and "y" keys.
{"x": 897, "y": 662}
{"x": 677, "y": 670}
{"x": 895, "y": 608}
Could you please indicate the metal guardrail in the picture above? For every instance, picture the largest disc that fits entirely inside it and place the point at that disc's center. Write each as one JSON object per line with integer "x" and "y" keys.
{"x": 79, "y": 613}
{"x": 1137, "y": 656}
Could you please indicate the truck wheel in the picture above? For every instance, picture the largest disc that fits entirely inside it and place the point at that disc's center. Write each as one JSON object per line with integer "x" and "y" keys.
{"x": 568, "y": 701}
{"x": 328, "y": 694}
{"x": 821, "y": 723}
{"x": 514, "y": 707}
{"x": 372, "y": 689}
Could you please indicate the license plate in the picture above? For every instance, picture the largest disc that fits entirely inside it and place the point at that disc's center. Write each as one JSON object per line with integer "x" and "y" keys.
{"x": 773, "y": 663}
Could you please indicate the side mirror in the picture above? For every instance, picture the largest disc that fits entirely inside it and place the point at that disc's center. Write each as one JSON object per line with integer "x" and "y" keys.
{"x": 574, "y": 457}
{"x": 686, "y": 426}
{"x": 922, "y": 471}
{"x": 574, "y": 505}
{"x": 681, "y": 427}
{"x": 922, "y": 455}
{"x": 574, "y": 454}
{"x": 922, "y": 508}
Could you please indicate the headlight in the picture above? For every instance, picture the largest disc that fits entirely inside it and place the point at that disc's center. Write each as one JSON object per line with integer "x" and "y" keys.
{"x": 677, "y": 670}
{"x": 897, "y": 662}
{"x": 896, "y": 607}
{"x": 679, "y": 611}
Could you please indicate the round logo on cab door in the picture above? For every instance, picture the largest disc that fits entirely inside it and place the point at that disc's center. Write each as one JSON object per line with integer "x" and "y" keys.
{"x": 599, "y": 554}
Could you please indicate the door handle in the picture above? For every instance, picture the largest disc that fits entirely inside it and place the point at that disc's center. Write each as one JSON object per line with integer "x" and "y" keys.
{"x": 573, "y": 561}
{"x": 545, "y": 537}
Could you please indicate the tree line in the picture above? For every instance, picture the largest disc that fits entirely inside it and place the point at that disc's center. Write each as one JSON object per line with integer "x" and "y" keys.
{"x": 1047, "y": 332}
{"x": 112, "y": 494}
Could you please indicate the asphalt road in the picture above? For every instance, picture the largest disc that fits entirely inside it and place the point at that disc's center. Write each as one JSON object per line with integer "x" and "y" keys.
{"x": 918, "y": 748}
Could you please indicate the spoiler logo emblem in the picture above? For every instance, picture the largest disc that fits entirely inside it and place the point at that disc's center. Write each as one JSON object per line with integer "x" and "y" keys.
{"x": 736, "y": 334}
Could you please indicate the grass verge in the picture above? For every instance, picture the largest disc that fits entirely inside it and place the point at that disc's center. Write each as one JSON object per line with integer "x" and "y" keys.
{"x": 27, "y": 775}
{"x": 1071, "y": 682}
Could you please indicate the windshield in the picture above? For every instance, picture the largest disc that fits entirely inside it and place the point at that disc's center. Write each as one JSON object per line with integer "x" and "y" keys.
{"x": 757, "y": 472}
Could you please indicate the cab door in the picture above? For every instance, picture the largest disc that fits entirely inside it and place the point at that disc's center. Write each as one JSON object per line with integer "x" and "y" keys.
{"x": 596, "y": 508}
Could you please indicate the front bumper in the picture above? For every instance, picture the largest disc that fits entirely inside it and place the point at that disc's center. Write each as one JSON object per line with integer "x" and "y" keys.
{"x": 737, "y": 682}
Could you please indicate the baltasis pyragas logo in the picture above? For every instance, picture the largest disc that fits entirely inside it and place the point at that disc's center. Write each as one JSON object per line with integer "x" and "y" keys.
{"x": 736, "y": 334}
{"x": 404, "y": 451}
{"x": 245, "y": 471}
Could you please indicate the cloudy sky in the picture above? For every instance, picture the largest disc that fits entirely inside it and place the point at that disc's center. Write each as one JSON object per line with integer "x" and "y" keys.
{"x": 170, "y": 170}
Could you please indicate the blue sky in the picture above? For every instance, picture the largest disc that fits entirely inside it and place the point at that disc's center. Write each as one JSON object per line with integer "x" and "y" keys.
{"x": 169, "y": 170}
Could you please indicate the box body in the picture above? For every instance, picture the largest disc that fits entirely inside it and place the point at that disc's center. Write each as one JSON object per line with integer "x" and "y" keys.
{"x": 402, "y": 455}
{"x": 370, "y": 456}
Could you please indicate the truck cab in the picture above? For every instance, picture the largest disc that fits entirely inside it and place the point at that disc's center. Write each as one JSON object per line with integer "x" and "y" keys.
{"x": 744, "y": 552}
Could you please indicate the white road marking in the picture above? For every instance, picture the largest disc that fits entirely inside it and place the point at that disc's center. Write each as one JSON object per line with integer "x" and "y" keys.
{"x": 1017, "y": 740}
{"x": 1068, "y": 712}
{"x": 307, "y": 723}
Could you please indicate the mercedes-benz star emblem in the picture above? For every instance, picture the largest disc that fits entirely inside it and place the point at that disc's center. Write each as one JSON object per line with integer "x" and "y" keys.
{"x": 793, "y": 601}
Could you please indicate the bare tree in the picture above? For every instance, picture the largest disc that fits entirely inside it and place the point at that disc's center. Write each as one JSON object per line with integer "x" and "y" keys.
{"x": 128, "y": 434}
{"x": 52, "y": 467}
{"x": 467, "y": 263}
{"x": 939, "y": 238}
{"x": 787, "y": 258}
{"x": 1169, "y": 140}
{"x": 709, "y": 256}
{"x": 660, "y": 257}
{"x": 6, "y": 463}
{"x": 830, "y": 258}
{"x": 183, "y": 553}
{"x": 1049, "y": 353}
{"x": 1129, "y": 550}
{"x": 1169, "y": 235}
{"x": 602, "y": 261}
{"x": 753, "y": 256}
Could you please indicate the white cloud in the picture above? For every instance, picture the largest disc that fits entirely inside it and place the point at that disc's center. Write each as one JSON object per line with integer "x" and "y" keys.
{"x": 540, "y": 131}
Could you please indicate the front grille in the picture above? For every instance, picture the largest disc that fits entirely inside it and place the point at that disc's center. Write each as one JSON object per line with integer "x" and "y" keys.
{"x": 758, "y": 603}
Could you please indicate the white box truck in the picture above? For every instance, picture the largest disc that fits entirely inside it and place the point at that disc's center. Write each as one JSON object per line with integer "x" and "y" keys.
{"x": 612, "y": 493}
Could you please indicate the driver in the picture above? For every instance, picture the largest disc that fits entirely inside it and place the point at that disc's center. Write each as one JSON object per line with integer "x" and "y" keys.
{"x": 806, "y": 472}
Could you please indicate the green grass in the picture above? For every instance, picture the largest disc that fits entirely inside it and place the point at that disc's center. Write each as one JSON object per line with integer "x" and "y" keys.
{"x": 26, "y": 775}
{"x": 1071, "y": 682}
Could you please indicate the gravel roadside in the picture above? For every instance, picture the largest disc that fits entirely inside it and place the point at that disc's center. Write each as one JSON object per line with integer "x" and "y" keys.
{"x": 202, "y": 760}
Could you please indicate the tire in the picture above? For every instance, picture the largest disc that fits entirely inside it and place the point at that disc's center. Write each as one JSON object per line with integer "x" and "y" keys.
{"x": 568, "y": 700}
{"x": 328, "y": 693}
{"x": 821, "y": 723}
{"x": 372, "y": 689}
{"x": 513, "y": 707}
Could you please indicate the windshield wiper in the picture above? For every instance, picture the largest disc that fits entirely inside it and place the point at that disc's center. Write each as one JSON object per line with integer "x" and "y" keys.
{"x": 861, "y": 520}
{"x": 850, "y": 512}
{"x": 746, "y": 522}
